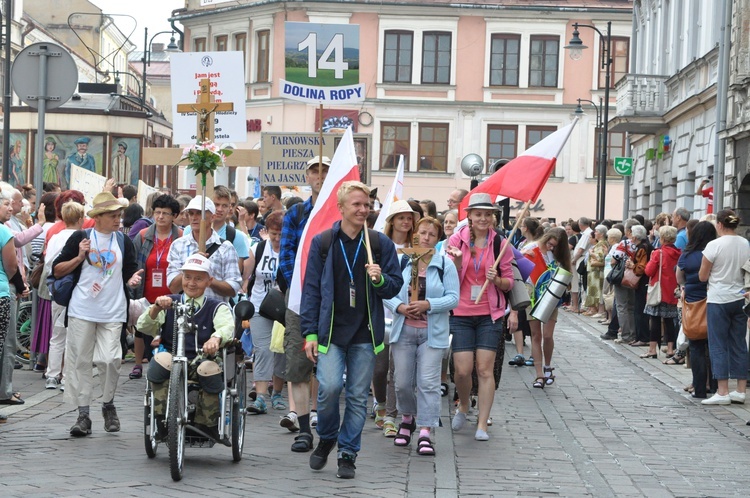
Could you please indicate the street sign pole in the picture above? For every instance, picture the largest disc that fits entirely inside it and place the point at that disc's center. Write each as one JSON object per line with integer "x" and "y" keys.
{"x": 41, "y": 113}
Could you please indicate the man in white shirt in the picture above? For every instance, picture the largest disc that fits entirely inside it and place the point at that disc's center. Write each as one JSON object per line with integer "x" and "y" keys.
{"x": 584, "y": 243}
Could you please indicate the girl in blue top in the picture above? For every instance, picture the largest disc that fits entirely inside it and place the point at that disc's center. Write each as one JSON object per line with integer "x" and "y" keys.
{"x": 8, "y": 268}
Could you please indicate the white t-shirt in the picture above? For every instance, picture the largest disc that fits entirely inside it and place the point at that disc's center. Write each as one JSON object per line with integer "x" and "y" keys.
{"x": 728, "y": 254}
{"x": 55, "y": 246}
{"x": 109, "y": 304}
{"x": 584, "y": 244}
{"x": 265, "y": 275}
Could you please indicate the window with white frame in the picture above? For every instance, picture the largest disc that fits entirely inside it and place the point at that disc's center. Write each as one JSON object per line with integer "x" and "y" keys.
{"x": 263, "y": 55}
{"x": 502, "y": 143}
{"x": 436, "y": 58}
{"x": 394, "y": 141}
{"x": 433, "y": 147}
{"x": 505, "y": 50}
{"x": 397, "y": 56}
{"x": 544, "y": 61}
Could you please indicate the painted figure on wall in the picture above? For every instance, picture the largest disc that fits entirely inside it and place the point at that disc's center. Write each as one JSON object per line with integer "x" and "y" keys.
{"x": 51, "y": 162}
{"x": 17, "y": 164}
{"x": 81, "y": 158}
{"x": 121, "y": 166}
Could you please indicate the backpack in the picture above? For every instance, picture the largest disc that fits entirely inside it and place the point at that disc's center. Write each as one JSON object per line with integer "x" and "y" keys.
{"x": 259, "y": 248}
{"x": 326, "y": 240}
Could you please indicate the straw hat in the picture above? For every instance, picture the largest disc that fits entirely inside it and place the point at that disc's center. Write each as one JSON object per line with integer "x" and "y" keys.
{"x": 105, "y": 202}
{"x": 399, "y": 207}
{"x": 481, "y": 201}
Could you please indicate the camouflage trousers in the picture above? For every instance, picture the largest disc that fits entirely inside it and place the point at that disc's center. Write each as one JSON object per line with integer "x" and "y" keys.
{"x": 207, "y": 409}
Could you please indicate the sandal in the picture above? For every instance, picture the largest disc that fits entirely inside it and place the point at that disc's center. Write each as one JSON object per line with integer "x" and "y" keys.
{"x": 518, "y": 360}
{"x": 443, "y": 389}
{"x": 675, "y": 360}
{"x": 403, "y": 437}
{"x": 13, "y": 400}
{"x": 530, "y": 362}
{"x": 550, "y": 378}
{"x": 136, "y": 373}
{"x": 303, "y": 443}
{"x": 539, "y": 382}
{"x": 389, "y": 428}
{"x": 425, "y": 447}
{"x": 379, "y": 416}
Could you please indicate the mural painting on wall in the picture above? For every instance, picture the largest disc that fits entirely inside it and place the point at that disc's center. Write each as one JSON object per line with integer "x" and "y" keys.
{"x": 126, "y": 160}
{"x": 18, "y": 158}
{"x": 61, "y": 150}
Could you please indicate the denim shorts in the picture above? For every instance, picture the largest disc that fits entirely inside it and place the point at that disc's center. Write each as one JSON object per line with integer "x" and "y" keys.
{"x": 475, "y": 332}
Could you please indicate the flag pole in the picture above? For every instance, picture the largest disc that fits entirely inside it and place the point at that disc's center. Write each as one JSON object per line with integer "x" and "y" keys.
{"x": 503, "y": 249}
{"x": 367, "y": 246}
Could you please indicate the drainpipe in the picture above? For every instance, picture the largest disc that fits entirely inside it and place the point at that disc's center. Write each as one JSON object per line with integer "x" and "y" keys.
{"x": 721, "y": 105}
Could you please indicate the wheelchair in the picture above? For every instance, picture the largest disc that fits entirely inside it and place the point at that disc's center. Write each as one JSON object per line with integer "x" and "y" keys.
{"x": 180, "y": 410}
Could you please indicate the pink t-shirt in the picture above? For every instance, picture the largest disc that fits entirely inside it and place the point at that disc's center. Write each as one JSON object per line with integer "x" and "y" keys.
{"x": 475, "y": 276}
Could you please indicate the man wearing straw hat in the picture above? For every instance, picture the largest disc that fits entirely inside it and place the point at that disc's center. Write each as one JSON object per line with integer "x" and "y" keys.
{"x": 103, "y": 262}
{"x": 342, "y": 321}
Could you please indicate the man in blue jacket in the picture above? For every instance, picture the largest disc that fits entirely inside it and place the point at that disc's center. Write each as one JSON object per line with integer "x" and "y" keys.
{"x": 343, "y": 324}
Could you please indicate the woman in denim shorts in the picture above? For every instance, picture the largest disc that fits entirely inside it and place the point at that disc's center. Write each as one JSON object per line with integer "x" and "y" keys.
{"x": 476, "y": 327}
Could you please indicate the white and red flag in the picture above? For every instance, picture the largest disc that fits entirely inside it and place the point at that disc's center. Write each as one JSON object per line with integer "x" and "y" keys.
{"x": 325, "y": 213}
{"x": 524, "y": 177}
{"x": 395, "y": 193}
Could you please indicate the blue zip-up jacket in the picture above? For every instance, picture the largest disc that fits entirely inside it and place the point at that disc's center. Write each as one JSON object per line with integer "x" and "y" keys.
{"x": 316, "y": 306}
{"x": 442, "y": 296}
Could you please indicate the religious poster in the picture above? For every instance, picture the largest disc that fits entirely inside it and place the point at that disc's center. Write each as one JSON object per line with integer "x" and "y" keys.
{"x": 18, "y": 158}
{"x": 337, "y": 120}
{"x": 125, "y": 161}
{"x": 362, "y": 150}
{"x": 63, "y": 150}
{"x": 227, "y": 74}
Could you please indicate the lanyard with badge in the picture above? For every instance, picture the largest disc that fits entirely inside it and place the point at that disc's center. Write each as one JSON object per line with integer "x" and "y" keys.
{"x": 158, "y": 274}
{"x": 352, "y": 291}
{"x": 105, "y": 261}
{"x": 476, "y": 289}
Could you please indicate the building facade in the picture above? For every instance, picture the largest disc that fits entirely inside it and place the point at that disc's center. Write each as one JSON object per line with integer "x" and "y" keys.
{"x": 442, "y": 80}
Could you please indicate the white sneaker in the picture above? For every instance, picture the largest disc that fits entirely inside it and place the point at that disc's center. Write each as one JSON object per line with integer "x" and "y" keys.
{"x": 313, "y": 419}
{"x": 481, "y": 435}
{"x": 459, "y": 421}
{"x": 62, "y": 385}
{"x": 737, "y": 397}
{"x": 289, "y": 421}
{"x": 51, "y": 383}
{"x": 718, "y": 399}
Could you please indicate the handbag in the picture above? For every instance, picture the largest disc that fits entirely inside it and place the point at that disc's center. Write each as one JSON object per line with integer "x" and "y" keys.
{"x": 581, "y": 270}
{"x": 630, "y": 279}
{"x": 36, "y": 274}
{"x": 694, "y": 322}
{"x": 615, "y": 275}
{"x": 653, "y": 294}
{"x": 61, "y": 288}
{"x": 273, "y": 307}
{"x": 277, "y": 338}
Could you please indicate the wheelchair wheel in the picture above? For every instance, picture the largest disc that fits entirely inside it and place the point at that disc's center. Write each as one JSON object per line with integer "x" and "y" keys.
{"x": 23, "y": 324}
{"x": 149, "y": 425}
{"x": 238, "y": 414}
{"x": 177, "y": 418}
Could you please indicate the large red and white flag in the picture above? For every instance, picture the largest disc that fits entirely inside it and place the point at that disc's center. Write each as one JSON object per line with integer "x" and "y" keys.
{"x": 325, "y": 213}
{"x": 524, "y": 177}
{"x": 395, "y": 193}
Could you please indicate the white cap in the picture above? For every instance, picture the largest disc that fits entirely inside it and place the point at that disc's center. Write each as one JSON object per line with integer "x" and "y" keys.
{"x": 197, "y": 262}
{"x": 196, "y": 204}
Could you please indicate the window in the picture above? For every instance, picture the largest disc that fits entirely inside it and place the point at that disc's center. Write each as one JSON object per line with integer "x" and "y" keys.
{"x": 504, "y": 60}
{"x": 544, "y": 61}
{"x": 616, "y": 148}
{"x": 394, "y": 141}
{"x": 436, "y": 58}
{"x": 240, "y": 43}
{"x": 433, "y": 147}
{"x": 263, "y": 55}
{"x": 502, "y": 143}
{"x": 536, "y": 133}
{"x": 620, "y": 56}
{"x": 397, "y": 57}
{"x": 221, "y": 43}
{"x": 199, "y": 44}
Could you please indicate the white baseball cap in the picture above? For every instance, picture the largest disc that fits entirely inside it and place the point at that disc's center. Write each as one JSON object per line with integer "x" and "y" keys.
{"x": 196, "y": 204}
{"x": 196, "y": 262}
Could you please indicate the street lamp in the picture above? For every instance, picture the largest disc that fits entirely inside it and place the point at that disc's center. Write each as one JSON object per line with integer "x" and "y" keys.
{"x": 576, "y": 47}
{"x": 578, "y": 113}
{"x": 172, "y": 47}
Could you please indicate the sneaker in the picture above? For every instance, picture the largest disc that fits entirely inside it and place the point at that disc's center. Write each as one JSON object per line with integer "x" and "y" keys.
{"x": 346, "y": 466}
{"x": 314, "y": 418}
{"x": 718, "y": 399}
{"x": 289, "y": 421}
{"x": 459, "y": 421}
{"x": 258, "y": 406}
{"x": 82, "y": 427}
{"x": 62, "y": 385}
{"x": 51, "y": 383}
{"x": 481, "y": 435}
{"x": 319, "y": 457}
{"x": 253, "y": 394}
{"x": 278, "y": 402}
{"x": 111, "y": 422}
{"x": 737, "y": 397}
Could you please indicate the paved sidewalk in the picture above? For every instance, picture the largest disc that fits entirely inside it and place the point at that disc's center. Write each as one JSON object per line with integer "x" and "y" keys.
{"x": 611, "y": 425}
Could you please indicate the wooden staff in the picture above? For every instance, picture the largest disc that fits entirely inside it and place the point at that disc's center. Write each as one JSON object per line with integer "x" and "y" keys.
{"x": 367, "y": 247}
{"x": 502, "y": 251}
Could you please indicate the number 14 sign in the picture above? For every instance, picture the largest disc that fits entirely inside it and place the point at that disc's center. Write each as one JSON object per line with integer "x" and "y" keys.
{"x": 322, "y": 63}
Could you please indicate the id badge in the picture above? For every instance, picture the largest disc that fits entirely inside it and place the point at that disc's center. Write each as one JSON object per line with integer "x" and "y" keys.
{"x": 352, "y": 296}
{"x": 157, "y": 277}
{"x": 95, "y": 289}
{"x": 475, "y": 289}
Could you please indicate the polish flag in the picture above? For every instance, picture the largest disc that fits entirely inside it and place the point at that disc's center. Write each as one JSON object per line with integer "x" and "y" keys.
{"x": 524, "y": 177}
{"x": 395, "y": 193}
{"x": 325, "y": 213}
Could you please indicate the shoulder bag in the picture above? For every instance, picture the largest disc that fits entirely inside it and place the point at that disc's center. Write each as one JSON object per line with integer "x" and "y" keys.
{"x": 694, "y": 322}
{"x": 615, "y": 275}
{"x": 653, "y": 294}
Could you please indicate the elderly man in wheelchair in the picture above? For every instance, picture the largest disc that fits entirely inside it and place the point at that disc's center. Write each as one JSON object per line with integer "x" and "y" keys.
{"x": 211, "y": 328}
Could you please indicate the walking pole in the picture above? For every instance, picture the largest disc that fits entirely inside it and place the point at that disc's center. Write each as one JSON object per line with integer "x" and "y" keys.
{"x": 367, "y": 247}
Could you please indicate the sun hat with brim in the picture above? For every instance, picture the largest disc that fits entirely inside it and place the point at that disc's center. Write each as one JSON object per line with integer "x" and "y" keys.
{"x": 195, "y": 204}
{"x": 196, "y": 262}
{"x": 104, "y": 202}
{"x": 399, "y": 207}
{"x": 481, "y": 201}
{"x": 317, "y": 160}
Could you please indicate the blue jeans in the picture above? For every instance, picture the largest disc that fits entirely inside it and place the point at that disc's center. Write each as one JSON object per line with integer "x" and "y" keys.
{"x": 726, "y": 340}
{"x": 417, "y": 376}
{"x": 475, "y": 332}
{"x": 359, "y": 362}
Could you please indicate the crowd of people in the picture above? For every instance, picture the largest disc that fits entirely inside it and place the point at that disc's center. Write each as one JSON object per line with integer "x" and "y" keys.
{"x": 393, "y": 313}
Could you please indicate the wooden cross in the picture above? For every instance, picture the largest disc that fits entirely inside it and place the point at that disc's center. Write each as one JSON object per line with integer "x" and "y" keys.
{"x": 415, "y": 254}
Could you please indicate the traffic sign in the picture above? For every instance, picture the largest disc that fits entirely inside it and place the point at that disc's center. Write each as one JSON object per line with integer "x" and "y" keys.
{"x": 624, "y": 166}
{"x": 60, "y": 74}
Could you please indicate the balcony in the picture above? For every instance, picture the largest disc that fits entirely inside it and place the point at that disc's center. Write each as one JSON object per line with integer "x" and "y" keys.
{"x": 642, "y": 101}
